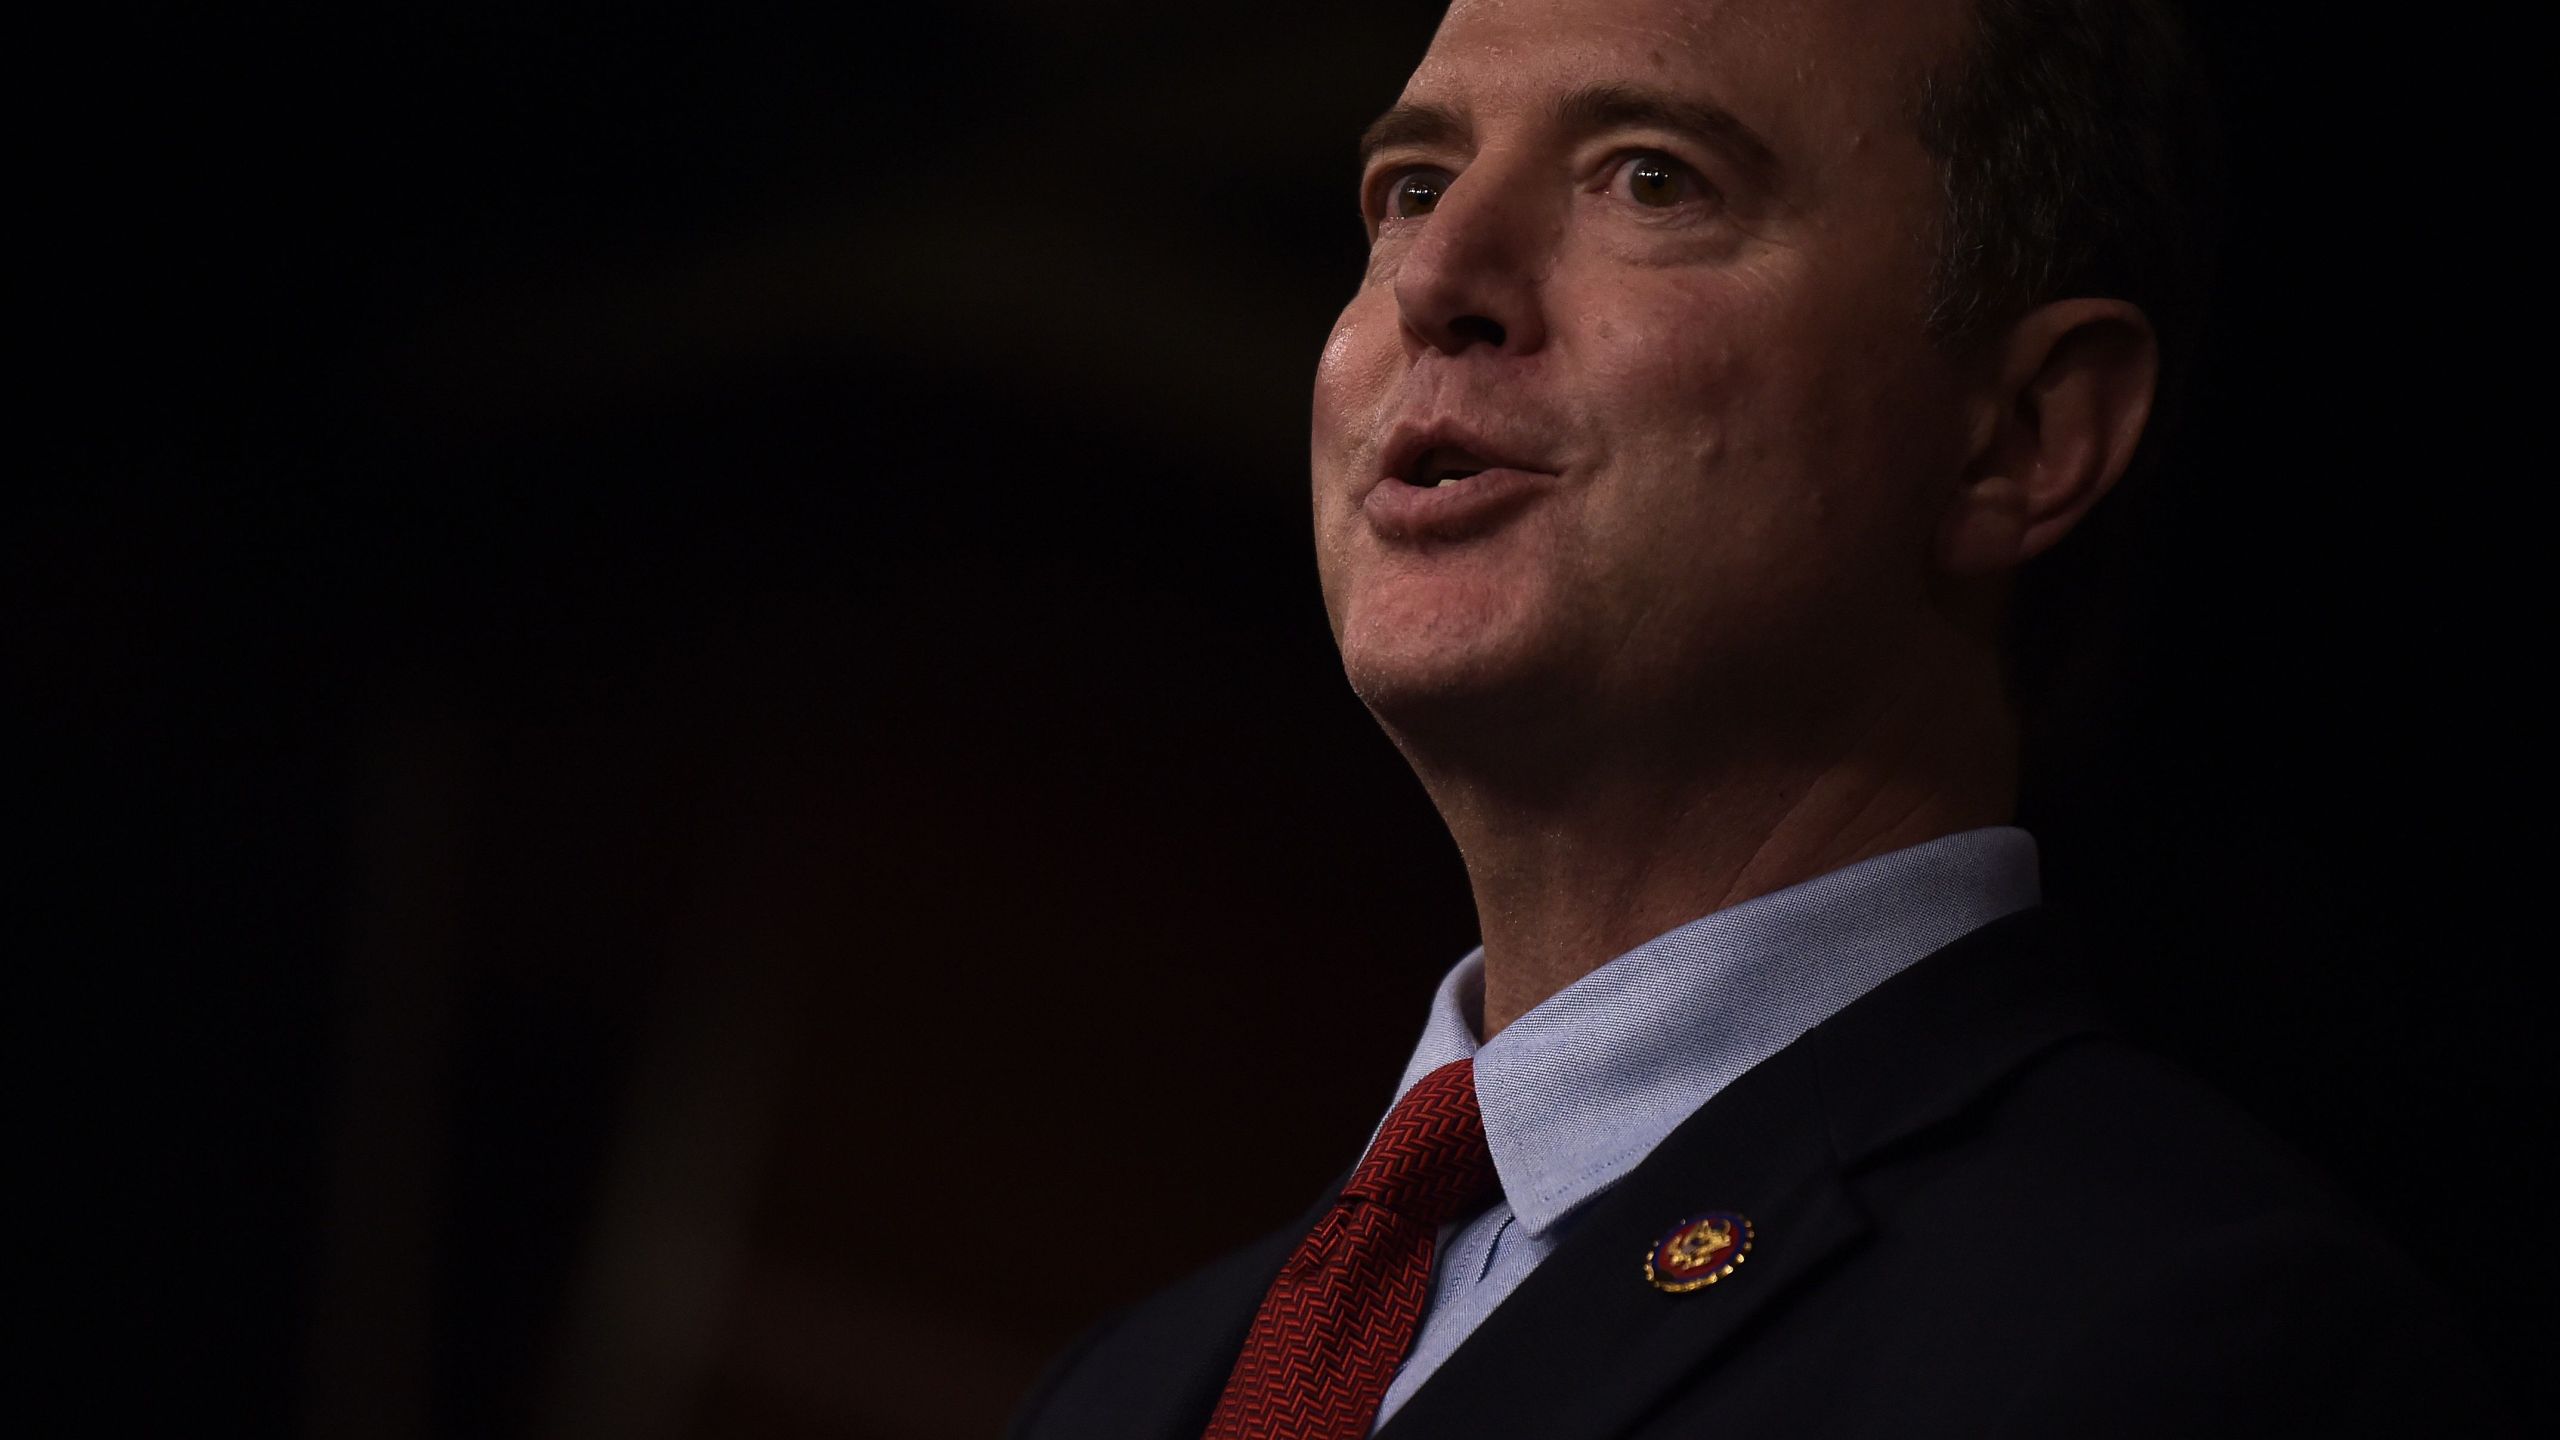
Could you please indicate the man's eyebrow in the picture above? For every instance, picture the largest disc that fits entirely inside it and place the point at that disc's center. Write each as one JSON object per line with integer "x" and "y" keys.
{"x": 1410, "y": 124}
{"x": 1593, "y": 107}
{"x": 1619, "y": 107}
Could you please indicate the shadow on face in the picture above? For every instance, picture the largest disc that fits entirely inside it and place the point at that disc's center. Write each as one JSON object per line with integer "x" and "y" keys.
{"x": 1651, "y": 278}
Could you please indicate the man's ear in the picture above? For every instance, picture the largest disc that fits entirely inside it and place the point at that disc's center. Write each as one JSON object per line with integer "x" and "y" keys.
{"x": 2070, "y": 393}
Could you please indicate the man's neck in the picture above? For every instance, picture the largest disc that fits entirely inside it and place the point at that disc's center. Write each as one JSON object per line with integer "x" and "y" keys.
{"x": 1570, "y": 880}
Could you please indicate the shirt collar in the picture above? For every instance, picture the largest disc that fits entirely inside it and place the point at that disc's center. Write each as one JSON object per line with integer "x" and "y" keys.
{"x": 1579, "y": 1090}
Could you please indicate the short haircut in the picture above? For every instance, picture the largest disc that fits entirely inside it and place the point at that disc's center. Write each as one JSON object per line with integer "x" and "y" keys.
{"x": 2078, "y": 153}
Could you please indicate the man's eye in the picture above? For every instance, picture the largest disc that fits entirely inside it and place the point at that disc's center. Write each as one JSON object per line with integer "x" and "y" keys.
{"x": 1658, "y": 181}
{"x": 1415, "y": 192}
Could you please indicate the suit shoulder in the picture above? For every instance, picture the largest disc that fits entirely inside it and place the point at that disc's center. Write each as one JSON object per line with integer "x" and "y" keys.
{"x": 2110, "y": 1128}
{"x": 2143, "y": 1257}
{"x": 2096, "y": 1162}
{"x": 1144, "y": 1369}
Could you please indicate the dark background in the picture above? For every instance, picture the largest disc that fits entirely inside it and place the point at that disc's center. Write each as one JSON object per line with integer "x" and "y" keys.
{"x": 688, "y": 779}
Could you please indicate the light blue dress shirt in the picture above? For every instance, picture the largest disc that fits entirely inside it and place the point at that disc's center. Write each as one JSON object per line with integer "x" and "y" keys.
{"x": 1579, "y": 1090}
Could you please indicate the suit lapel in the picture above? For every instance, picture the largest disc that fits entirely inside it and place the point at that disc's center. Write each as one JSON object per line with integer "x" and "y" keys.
{"x": 1192, "y": 1336}
{"x": 1585, "y": 1347}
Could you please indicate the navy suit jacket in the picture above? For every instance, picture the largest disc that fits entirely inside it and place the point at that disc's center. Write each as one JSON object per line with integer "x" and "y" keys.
{"x": 1976, "y": 1213}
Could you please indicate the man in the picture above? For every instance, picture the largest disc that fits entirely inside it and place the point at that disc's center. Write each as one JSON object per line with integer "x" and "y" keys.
{"x": 1718, "y": 366}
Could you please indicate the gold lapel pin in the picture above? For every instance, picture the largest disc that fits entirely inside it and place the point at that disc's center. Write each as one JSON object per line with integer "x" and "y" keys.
{"x": 1699, "y": 1251}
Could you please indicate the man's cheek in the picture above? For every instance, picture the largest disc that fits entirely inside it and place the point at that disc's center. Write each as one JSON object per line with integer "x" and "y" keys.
{"x": 1355, "y": 379}
{"x": 1662, "y": 369}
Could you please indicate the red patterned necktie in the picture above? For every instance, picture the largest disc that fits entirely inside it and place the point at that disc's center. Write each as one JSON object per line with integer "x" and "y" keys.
{"x": 1336, "y": 1324}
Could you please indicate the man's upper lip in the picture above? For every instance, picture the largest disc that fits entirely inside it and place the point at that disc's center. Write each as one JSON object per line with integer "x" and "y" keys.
{"x": 1413, "y": 442}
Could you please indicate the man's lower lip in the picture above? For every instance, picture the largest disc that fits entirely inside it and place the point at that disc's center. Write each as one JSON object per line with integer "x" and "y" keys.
{"x": 1452, "y": 511}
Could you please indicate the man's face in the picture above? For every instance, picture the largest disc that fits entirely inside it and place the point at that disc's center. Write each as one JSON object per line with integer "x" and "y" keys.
{"x": 1657, "y": 269}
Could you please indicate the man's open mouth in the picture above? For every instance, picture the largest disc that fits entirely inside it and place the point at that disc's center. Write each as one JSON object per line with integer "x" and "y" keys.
{"x": 1444, "y": 465}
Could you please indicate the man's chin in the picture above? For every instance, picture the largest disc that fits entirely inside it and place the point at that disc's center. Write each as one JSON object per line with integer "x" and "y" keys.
{"x": 1451, "y": 698}
{"x": 1439, "y": 652}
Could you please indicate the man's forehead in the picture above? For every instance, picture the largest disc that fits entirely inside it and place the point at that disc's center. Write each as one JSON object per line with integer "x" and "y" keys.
{"x": 1639, "y": 20}
{"x": 1753, "y": 54}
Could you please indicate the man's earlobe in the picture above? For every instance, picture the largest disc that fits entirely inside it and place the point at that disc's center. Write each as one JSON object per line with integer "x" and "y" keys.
{"x": 1985, "y": 529}
{"x": 2070, "y": 397}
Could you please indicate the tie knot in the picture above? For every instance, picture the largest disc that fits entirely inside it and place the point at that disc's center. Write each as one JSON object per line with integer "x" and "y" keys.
{"x": 1429, "y": 1162}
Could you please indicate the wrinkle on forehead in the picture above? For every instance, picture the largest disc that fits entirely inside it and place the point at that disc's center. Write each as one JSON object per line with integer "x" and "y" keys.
{"x": 1846, "y": 69}
{"x": 1685, "y": 22}
{"x": 1802, "y": 34}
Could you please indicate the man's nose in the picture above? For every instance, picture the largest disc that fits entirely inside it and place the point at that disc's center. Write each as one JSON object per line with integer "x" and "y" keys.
{"x": 1475, "y": 274}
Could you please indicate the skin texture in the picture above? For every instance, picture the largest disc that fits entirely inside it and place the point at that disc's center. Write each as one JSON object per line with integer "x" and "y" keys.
{"x": 1742, "y": 625}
